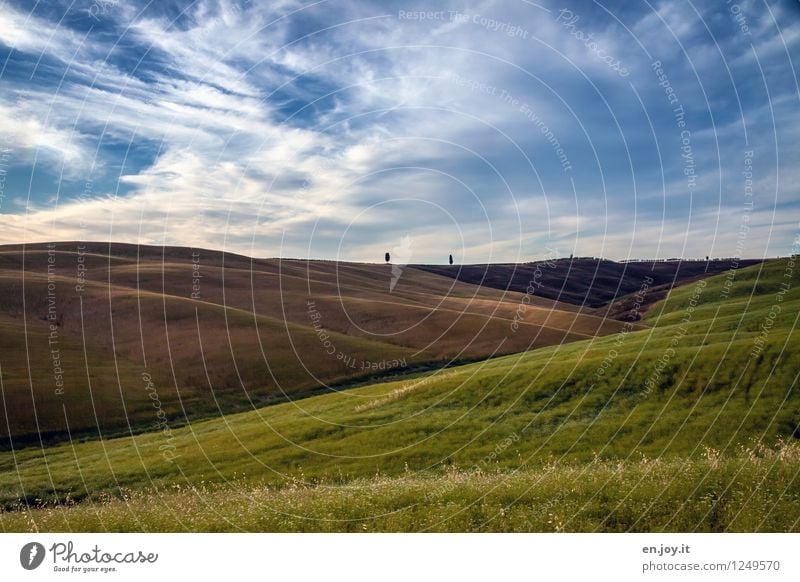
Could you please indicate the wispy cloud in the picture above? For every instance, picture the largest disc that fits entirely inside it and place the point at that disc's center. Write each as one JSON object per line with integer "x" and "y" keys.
{"x": 277, "y": 127}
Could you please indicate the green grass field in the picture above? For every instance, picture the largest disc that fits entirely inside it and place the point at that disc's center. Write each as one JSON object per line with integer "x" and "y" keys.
{"x": 753, "y": 490}
{"x": 692, "y": 394}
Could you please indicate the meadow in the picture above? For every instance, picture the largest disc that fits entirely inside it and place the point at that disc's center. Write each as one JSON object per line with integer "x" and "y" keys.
{"x": 690, "y": 423}
{"x": 753, "y": 490}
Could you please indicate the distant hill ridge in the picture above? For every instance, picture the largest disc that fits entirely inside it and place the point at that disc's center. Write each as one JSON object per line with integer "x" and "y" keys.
{"x": 587, "y": 281}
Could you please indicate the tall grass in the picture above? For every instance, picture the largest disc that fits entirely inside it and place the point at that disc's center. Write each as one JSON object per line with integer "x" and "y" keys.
{"x": 755, "y": 490}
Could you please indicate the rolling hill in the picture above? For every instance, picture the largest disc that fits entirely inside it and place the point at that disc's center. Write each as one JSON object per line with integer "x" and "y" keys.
{"x": 713, "y": 380}
{"x": 105, "y": 339}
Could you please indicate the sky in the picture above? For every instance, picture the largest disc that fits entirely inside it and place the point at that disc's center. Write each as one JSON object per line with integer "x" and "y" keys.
{"x": 494, "y": 131}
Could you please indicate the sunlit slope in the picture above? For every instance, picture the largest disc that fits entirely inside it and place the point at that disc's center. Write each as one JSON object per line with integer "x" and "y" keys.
{"x": 693, "y": 380}
{"x": 190, "y": 333}
{"x": 753, "y": 490}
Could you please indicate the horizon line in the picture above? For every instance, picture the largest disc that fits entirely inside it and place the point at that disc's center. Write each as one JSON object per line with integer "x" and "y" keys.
{"x": 444, "y": 264}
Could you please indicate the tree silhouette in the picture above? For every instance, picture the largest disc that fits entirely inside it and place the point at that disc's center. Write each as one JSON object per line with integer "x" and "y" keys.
{"x": 387, "y": 257}
{"x": 451, "y": 259}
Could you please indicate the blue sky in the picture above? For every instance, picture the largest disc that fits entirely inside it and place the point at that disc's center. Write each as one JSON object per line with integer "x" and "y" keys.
{"x": 502, "y": 131}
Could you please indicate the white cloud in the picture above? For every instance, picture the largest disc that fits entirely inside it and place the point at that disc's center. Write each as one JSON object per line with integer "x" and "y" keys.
{"x": 31, "y": 133}
{"x": 230, "y": 167}
{"x": 30, "y": 34}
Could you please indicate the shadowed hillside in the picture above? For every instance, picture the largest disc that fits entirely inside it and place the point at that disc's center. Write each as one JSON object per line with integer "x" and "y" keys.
{"x": 584, "y": 281}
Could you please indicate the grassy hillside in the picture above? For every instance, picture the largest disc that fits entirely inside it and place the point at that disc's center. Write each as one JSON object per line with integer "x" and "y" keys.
{"x": 754, "y": 490}
{"x": 692, "y": 383}
{"x": 92, "y": 337}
